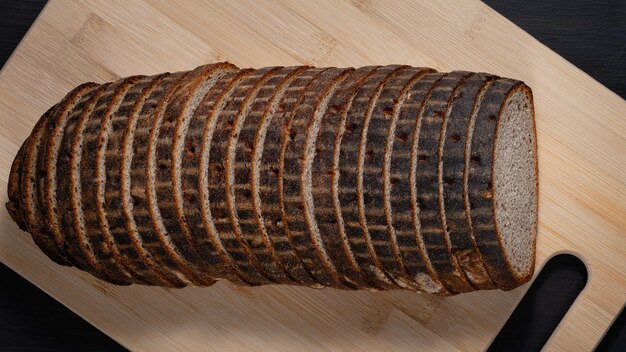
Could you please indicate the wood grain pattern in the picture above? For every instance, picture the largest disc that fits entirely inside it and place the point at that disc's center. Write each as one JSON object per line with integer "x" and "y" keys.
{"x": 581, "y": 161}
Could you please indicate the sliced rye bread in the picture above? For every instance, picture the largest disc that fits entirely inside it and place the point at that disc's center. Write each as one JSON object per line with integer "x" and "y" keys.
{"x": 325, "y": 198}
{"x": 69, "y": 200}
{"x": 376, "y": 158}
{"x": 110, "y": 157}
{"x": 501, "y": 179}
{"x": 265, "y": 173}
{"x": 47, "y": 160}
{"x": 433, "y": 234}
{"x": 297, "y": 148}
{"x": 403, "y": 204}
{"x": 238, "y": 168}
{"x": 94, "y": 139}
{"x": 245, "y": 172}
{"x": 142, "y": 187}
{"x": 195, "y": 181}
{"x": 450, "y": 174}
{"x": 168, "y": 150}
{"x": 136, "y": 252}
{"x": 26, "y": 192}
{"x": 350, "y": 172}
{"x": 218, "y": 189}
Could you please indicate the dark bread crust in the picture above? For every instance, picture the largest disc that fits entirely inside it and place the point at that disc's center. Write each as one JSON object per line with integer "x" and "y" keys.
{"x": 480, "y": 183}
{"x": 433, "y": 234}
{"x": 325, "y": 177}
{"x": 403, "y": 204}
{"x": 349, "y": 177}
{"x": 195, "y": 184}
{"x": 245, "y": 172}
{"x": 239, "y": 153}
{"x": 24, "y": 193}
{"x": 265, "y": 174}
{"x": 229, "y": 232}
{"x": 167, "y": 171}
{"x": 47, "y": 160}
{"x": 95, "y": 137}
{"x": 297, "y": 211}
{"x": 374, "y": 153}
{"x": 122, "y": 228}
{"x": 450, "y": 174}
{"x": 326, "y": 199}
{"x": 77, "y": 243}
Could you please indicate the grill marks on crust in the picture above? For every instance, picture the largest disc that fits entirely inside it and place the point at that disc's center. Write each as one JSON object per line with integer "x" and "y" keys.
{"x": 455, "y": 136}
{"x": 265, "y": 173}
{"x": 90, "y": 159}
{"x": 479, "y": 176}
{"x": 168, "y": 154}
{"x": 437, "y": 244}
{"x": 241, "y": 214}
{"x": 28, "y": 202}
{"x": 376, "y": 174}
{"x": 402, "y": 173}
{"x": 350, "y": 182}
{"x": 47, "y": 161}
{"x": 195, "y": 182}
{"x": 137, "y": 253}
{"x": 323, "y": 171}
{"x": 219, "y": 193}
{"x": 297, "y": 149}
{"x": 245, "y": 172}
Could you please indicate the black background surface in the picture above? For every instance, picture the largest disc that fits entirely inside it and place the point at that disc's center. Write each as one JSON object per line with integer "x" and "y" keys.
{"x": 590, "y": 34}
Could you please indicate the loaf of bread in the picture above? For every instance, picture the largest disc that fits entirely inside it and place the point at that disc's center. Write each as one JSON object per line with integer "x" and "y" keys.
{"x": 378, "y": 178}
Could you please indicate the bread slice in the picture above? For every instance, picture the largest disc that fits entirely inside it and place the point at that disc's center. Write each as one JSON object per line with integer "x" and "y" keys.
{"x": 47, "y": 157}
{"x": 245, "y": 172}
{"x": 294, "y": 185}
{"x": 322, "y": 170}
{"x": 502, "y": 182}
{"x": 117, "y": 203}
{"x": 350, "y": 176}
{"x": 168, "y": 154}
{"x": 94, "y": 141}
{"x": 403, "y": 192}
{"x": 225, "y": 223}
{"x": 195, "y": 182}
{"x": 25, "y": 193}
{"x": 238, "y": 168}
{"x": 433, "y": 234}
{"x": 450, "y": 174}
{"x": 265, "y": 173}
{"x": 375, "y": 156}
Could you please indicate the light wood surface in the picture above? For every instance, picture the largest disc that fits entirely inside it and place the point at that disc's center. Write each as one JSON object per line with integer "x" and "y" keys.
{"x": 582, "y": 162}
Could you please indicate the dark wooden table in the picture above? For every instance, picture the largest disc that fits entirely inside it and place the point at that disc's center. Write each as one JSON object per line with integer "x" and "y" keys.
{"x": 590, "y": 34}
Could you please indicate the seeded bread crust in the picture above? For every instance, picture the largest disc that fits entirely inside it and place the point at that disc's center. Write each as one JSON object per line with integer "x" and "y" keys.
{"x": 480, "y": 183}
{"x": 350, "y": 182}
{"x": 450, "y": 173}
{"x": 296, "y": 206}
{"x": 325, "y": 198}
{"x": 265, "y": 174}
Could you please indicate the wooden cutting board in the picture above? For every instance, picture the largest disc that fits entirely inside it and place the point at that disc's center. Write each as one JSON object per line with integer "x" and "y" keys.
{"x": 582, "y": 162}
